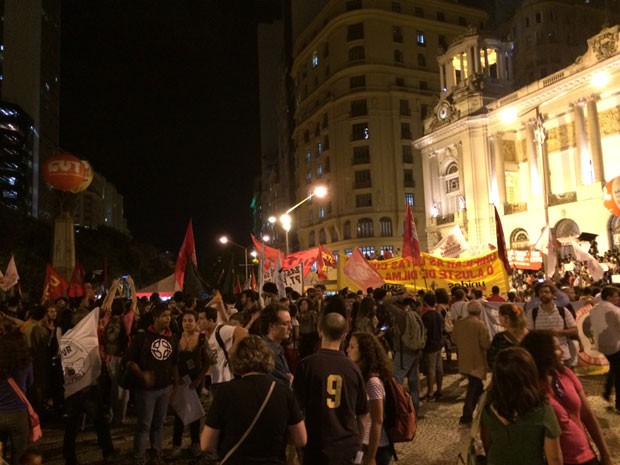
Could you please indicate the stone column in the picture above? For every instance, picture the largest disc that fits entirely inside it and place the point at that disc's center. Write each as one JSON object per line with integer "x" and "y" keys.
{"x": 596, "y": 148}
{"x": 584, "y": 161}
{"x": 500, "y": 167}
{"x": 442, "y": 76}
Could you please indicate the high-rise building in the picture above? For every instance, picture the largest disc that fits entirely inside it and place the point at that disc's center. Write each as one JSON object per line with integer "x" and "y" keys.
{"x": 30, "y": 49}
{"x": 366, "y": 76}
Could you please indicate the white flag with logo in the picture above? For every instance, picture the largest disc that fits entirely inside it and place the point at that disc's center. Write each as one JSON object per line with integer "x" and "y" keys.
{"x": 79, "y": 352}
{"x": 594, "y": 267}
{"x": 453, "y": 245}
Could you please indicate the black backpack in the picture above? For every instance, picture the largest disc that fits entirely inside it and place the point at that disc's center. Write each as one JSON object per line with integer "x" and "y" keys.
{"x": 115, "y": 340}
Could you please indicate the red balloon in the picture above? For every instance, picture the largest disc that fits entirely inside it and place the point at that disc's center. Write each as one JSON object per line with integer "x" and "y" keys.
{"x": 611, "y": 196}
{"x": 64, "y": 172}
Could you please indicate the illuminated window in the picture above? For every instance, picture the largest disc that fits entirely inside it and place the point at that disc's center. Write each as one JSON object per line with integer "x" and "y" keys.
{"x": 451, "y": 178}
{"x": 409, "y": 199}
{"x": 322, "y": 215}
{"x": 367, "y": 250}
{"x": 348, "y": 252}
{"x": 319, "y": 170}
{"x": 360, "y": 131}
{"x": 319, "y": 149}
{"x": 309, "y": 177}
{"x": 459, "y": 64}
{"x": 491, "y": 61}
{"x": 315, "y": 59}
{"x": 364, "y": 228}
{"x": 420, "y": 38}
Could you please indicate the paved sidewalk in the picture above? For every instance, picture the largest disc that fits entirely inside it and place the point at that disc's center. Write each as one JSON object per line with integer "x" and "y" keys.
{"x": 437, "y": 441}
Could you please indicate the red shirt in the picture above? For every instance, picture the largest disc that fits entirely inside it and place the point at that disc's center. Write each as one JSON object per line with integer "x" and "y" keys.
{"x": 496, "y": 298}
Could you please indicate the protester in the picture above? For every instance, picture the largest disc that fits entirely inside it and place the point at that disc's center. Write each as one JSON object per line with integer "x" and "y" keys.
{"x": 518, "y": 426}
{"x": 512, "y": 319}
{"x": 308, "y": 327}
{"x": 431, "y": 354}
{"x": 370, "y": 356}
{"x": 472, "y": 341}
{"x": 276, "y": 322}
{"x": 565, "y": 394}
{"x": 331, "y": 391}
{"x": 16, "y": 364}
{"x": 605, "y": 320}
{"x": 153, "y": 361}
{"x": 235, "y": 426}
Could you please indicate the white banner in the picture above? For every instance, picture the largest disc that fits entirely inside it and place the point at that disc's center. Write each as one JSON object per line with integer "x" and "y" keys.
{"x": 79, "y": 352}
{"x": 452, "y": 245}
{"x": 294, "y": 278}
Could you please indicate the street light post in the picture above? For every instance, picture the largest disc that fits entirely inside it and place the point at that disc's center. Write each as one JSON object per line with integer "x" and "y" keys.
{"x": 286, "y": 220}
{"x": 224, "y": 240}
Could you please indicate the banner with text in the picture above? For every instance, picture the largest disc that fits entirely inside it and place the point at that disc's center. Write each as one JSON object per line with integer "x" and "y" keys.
{"x": 482, "y": 271}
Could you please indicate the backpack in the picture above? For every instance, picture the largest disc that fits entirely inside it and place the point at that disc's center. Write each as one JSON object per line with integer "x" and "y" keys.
{"x": 414, "y": 336}
{"x": 115, "y": 340}
{"x": 399, "y": 418}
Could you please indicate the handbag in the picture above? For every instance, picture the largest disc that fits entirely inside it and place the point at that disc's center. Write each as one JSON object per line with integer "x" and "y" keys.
{"x": 469, "y": 452}
{"x": 247, "y": 432}
{"x": 35, "y": 425}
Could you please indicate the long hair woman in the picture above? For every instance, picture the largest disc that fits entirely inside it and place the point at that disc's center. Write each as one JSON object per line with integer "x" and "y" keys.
{"x": 235, "y": 407}
{"x": 15, "y": 363}
{"x": 515, "y": 328}
{"x": 518, "y": 426}
{"x": 565, "y": 394}
{"x": 369, "y": 354}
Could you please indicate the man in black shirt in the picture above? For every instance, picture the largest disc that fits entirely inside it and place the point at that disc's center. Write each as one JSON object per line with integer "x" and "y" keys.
{"x": 331, "y": 391}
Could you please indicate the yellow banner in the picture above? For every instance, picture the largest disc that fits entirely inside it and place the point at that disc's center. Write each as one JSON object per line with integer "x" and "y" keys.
{"x": 482, "y": 271}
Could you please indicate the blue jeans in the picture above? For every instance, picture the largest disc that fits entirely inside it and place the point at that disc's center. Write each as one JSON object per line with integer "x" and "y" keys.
{"x": 151, "y": 408}
{"x": 406, "y": 365}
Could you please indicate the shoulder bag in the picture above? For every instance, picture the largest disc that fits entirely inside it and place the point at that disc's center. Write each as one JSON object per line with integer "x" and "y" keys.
{"x": 247, "y": 432}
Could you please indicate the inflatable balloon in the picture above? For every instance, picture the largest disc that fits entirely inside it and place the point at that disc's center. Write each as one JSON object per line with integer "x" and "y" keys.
{"x": 611, "y": 196}
{"x": 64, "y": 172}
{"x": 88, "y": 178}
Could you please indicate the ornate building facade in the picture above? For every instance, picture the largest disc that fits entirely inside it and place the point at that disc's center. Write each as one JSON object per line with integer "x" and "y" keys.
{"x": 541, "y": 154}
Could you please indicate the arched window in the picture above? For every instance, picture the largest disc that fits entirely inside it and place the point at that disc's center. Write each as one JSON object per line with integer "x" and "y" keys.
{"x": 311, "y": 239}
{"x": 322, "y": 236}
{"x": 519, "y": 239}
{"x": 385, "y": 224}
{"x": 357, "y": 53}
{"x": 334, "y": 234}
{"x": 365, "y": 228}
{"x": 566, "y": 228}
{"x": 347, "y": 230}
{"x": 451, "y": 178}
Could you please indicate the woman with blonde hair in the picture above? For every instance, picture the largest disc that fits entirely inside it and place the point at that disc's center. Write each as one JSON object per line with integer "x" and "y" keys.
{"x": 250, "y": 420}
{"x": 368, "y": 353}
{"x": 511, "y": 317}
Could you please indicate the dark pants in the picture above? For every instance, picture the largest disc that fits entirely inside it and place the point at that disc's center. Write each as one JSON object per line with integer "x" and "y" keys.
{"x": 474, "y": 390}
{"x": 613, "y": 377}
{"x": 87, "y": 401}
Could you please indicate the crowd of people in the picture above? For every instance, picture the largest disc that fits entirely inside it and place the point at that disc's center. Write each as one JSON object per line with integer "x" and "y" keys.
{"x": 303, "y": 377}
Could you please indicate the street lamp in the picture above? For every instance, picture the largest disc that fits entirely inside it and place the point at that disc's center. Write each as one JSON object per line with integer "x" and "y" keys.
{"x": 224, "y": 240}
{"x": 285, "y": 218}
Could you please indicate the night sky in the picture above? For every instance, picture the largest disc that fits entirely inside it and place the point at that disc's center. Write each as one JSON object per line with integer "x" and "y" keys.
{"x": 161, "y": 97}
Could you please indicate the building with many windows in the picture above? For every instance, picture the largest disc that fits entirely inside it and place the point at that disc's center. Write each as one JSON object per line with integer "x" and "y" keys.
{"x": 541, "y": 154}
{"x": 365, "y": 75}
{"x": 29, "y": 78}
{"x": 101, "y": 205}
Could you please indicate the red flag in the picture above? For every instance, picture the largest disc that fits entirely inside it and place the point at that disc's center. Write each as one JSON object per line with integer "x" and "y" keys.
{"x": 188, "y": 250}
{"x": 237, "y": 289}
{"x": 328, "y": 256}
{"x": 501, "y": 242}
{"x": 361, "y": 273}
{"x": 269, "y": 255}
{"x": 77, "y": 281}
{"x": 411, "y": 243}
{"x": 55, "y": 285}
